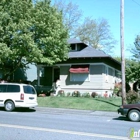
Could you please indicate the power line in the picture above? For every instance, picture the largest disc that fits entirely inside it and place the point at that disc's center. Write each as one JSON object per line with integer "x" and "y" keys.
{"x": 136, "y": 2}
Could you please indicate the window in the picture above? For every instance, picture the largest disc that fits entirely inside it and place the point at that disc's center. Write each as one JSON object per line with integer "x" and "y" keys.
{"x": 29, "y": 90}
{"x": 9, "y": 88}
{"x": 13, "y": 88}
{"x": 79, "y": 77}
{"x": 111, "y": 71}
{"x": 73, "y": 47}
{"x": 3, "y": 88}
{"x": 79, "y": 73}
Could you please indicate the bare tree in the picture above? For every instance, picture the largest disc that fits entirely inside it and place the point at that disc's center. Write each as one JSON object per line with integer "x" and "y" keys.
{"x": 96, "y": 33}
{"x": 91, "y": 31}
{"x": 71, "y": 14}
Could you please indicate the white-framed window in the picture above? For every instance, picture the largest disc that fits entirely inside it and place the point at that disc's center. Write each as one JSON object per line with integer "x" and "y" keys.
{"x": 79, "y": 77}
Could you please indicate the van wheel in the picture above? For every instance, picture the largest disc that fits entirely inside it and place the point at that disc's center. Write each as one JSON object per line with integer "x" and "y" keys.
{"x": 9, "y": 106}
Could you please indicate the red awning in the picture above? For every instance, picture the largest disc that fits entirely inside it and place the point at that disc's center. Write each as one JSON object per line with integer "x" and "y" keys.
{"x": 79, "y": 69}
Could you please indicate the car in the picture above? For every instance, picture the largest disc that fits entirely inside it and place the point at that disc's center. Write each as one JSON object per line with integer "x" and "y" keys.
{"x": 131, "y": 111}
{"x": 13, "y": 95}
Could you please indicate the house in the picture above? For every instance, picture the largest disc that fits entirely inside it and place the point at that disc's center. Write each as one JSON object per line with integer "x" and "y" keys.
{"x": 86, "y": 70}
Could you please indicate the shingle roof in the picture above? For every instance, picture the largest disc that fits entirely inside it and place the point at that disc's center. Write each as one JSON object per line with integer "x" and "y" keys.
{"x": 87, "y": 52}
{"x": 74, "y": 41}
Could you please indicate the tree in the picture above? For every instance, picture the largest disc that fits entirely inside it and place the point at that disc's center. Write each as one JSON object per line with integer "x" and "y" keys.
{"x": 135, "y": 50}
{"x": 132, "y": 69}
{"x": 96, "y": 33}
{"x": 71, "y": 14}
{"x": 133, "y": 65}
{"x": 30, "y": 33}
{"x": 91, "y": 31}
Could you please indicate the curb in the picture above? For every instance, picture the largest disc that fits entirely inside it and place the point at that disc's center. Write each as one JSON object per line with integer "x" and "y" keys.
{"x": 78, "y": 112}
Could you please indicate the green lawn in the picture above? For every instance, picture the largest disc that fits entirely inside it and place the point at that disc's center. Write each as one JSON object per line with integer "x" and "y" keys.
{"x": 102, "y": 104}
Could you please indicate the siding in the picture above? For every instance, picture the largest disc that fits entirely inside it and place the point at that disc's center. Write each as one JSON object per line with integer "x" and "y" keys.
{"x": 95, "y": 78}
{"x": 102, "y": 78}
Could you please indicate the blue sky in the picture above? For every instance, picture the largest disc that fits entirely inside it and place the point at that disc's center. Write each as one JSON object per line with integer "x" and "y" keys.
{"x": 110, "y": 10}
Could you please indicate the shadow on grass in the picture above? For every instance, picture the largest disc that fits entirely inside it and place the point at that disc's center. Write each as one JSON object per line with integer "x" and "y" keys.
{"x": 20, "y": 109}
{"x": 107, "y": 102}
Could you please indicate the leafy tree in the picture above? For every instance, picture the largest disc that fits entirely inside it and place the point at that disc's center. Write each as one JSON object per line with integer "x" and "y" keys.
{"x": 30, "y": 33}
{"x": 132, "y": 69}
{"x": 133, "y": 65}
{"x": 135, "y": 50}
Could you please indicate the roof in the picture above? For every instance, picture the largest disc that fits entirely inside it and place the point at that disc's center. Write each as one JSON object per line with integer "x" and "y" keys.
{"x": 75, "y": 41}
{"x": 87, "y": 52}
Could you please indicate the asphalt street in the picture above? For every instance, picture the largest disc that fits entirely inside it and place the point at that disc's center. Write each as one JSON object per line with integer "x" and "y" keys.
{"x": 75, "y": 111}
{"x": 45, "y": 123}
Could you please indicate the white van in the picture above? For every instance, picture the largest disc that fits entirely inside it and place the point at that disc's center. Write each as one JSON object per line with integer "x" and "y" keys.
{"x": 14, "y": 95}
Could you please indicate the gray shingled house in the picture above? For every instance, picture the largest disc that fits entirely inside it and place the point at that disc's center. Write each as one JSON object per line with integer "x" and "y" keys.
{"x": 86, "y": 70}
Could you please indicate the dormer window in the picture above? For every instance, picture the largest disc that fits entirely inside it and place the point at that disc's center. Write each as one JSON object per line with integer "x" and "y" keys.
{"x": 75, "y": 47}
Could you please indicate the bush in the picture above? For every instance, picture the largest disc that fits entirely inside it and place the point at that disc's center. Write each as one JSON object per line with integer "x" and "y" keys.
{"x": 117, "y": 91}
{"x": 61, "y": 93}
{"x": 132, "y": 97}
{"x": 94, "y": 94}
{"x": 68, "y": 94}
{"x": 87, "y": 95}
{"x": 76, "y": 94}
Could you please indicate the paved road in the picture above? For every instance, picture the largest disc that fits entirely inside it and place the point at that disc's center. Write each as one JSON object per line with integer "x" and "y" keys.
{"x": 63, "y": 124}
{"x": 75, "y": 111}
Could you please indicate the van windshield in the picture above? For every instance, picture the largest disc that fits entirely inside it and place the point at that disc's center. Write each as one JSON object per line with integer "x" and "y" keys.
{"x": 29, "y": 90}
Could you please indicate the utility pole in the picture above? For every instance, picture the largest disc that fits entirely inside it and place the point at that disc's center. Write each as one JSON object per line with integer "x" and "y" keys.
{"x": 122, "y": 53}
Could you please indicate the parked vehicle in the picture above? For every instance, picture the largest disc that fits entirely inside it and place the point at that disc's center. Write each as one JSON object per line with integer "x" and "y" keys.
{"x": 14, "y": 95}
{"x": 131, "y": 111}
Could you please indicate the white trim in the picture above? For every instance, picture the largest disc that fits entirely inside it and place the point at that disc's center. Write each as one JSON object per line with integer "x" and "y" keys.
{"x": 76, "y": 47}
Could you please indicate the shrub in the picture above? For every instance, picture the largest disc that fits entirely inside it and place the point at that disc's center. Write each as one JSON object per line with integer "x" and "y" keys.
{"x": 76, "y": 94}
{"x": 68, "y": 94}
{"x": 86, "y": 95}
{"x": 132, "y": 97}
{"x": 117, "y": 91}
{"x": 61, "y": 93}
{"x": 94, "y": 94}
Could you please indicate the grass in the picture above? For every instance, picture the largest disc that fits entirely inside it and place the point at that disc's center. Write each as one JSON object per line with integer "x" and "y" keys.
{"x": 100, "y": 104}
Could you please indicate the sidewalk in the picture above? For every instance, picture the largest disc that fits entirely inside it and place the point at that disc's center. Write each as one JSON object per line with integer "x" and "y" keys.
{"x": 78, "y": 112}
